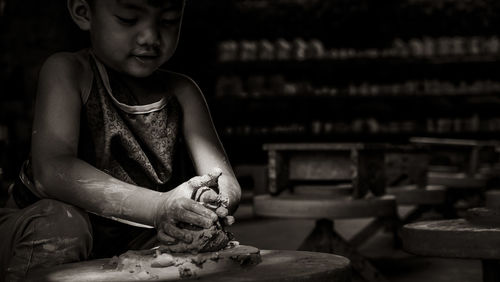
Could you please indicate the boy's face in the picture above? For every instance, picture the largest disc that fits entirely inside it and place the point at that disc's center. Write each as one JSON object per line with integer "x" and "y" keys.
{"x": 135, "y": 37}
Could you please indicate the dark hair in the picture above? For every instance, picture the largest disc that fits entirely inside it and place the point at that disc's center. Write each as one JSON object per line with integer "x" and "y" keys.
{"x": 154, "y": 3}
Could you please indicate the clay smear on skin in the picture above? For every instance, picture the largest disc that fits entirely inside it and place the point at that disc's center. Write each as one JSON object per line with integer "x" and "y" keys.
{"x": 115, "y": 194}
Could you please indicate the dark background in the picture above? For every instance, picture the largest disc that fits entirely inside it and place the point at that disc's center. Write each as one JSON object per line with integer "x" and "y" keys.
{"x": 280, "y": 100}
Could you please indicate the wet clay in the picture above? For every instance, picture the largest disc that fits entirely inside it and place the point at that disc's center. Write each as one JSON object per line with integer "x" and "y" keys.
{"x": 204, "y": 240}
{"x": 151, "y": 264}
{"x": 212, "y": 239}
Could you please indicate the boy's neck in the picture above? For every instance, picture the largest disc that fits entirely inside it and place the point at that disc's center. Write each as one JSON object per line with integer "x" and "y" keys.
{"x": 144, "y": 89}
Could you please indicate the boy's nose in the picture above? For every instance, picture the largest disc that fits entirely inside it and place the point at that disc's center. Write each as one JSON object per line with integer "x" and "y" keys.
{"x": 148, "y": 37}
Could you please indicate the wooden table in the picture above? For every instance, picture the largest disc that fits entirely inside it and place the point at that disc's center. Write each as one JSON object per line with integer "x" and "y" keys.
{"x": 466, "y": 155}
{"x": 456, "y": 238}
{"x": 276, "y": 265}
{"x": 360, "y": 164}
{"x": 325, "y": 182}
{"x": 457, "y": 162}
{"x": 465, "y": 167}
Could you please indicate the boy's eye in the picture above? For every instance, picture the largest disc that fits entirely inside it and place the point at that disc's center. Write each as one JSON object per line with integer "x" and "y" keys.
{"x": 127, "y": 21}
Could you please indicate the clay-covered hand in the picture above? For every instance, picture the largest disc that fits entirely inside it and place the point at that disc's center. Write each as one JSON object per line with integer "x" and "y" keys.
{"x": 216, "y": 202}
{"x": 176, "y": 207}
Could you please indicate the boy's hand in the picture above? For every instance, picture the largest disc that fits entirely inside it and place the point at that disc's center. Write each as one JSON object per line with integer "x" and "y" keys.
{"x": 212, "y": 200}
{"x": 177, "y": 206}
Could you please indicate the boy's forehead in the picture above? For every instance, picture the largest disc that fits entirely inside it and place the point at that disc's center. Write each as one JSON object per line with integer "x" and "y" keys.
{"x": 166, "y": 4}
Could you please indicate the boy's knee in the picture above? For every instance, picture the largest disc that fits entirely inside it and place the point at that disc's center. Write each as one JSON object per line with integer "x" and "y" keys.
{"x": 52, "y": 233}
{"x": 63, "y": 220}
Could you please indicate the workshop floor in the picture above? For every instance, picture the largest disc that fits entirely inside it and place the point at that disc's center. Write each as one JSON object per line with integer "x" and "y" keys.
{"x": 396, "y": 265}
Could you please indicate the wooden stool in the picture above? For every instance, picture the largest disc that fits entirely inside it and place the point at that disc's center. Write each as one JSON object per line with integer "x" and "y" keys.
{"x": 329, "y": 181}
{"x": 456, "y": 238}
{"x": 275, "y": 265}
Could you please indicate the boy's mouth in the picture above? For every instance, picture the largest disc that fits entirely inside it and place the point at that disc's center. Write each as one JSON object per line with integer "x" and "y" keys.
{"x": 145, "y": 58}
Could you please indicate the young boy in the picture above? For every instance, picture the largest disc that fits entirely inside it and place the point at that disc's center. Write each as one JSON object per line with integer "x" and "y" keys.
{"x": 104, "y": 134}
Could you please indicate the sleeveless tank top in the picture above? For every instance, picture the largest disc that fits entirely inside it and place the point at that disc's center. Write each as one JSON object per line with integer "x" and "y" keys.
{"x": 131, "y": 142}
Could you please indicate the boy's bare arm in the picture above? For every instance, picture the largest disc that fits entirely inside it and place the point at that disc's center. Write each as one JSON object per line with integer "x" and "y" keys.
{"x": 204, "y": 145}
{"x": 59, "y": 174}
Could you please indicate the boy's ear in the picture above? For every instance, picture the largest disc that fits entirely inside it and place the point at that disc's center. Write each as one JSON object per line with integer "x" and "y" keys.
{"x": 80, "y": 13}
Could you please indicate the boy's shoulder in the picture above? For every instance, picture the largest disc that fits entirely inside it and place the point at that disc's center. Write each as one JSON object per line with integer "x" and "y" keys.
{"x": 73, "y": 67}
{"x": 179, "y": 83}
{"x": 175, "y": 78}
{"x": 69, "y": 61}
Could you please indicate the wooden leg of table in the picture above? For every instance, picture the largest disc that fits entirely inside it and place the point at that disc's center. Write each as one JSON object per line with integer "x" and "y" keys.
{"x": 320, "y": 239}
{"x": 324, "y": 239}
{"x": 277, "y": 170}
{"x": 491, "y": 270}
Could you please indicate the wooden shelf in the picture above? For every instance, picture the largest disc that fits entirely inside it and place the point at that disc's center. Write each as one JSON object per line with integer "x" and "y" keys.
{"x": 410, "y": 60}
{"x": 394, "y": 68}
{"x": 276, "y": 109}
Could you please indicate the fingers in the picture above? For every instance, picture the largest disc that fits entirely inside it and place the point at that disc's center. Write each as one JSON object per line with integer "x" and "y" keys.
{"x": 229, "y": 220}
{"x": 209, "y": 179}
{"x": 196, "y": 219}
{"x": 164, "y": 238}
{"x": 221, "y": 212}
{"x": 200, "y": 210}
{"x": 175, "y": 232}
{"x": 206, "y": 195}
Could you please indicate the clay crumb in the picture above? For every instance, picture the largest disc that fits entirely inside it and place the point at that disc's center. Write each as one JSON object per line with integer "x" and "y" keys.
{"x": 215, "y": 256}
{"x": 232, "y": 244}
{"x": 163, "y": 260}
{"x": 112, "y": 263}
{"x": 248, "y": 259}
{"x": 198, "y": 261}
{"x": 186, "y": 272}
